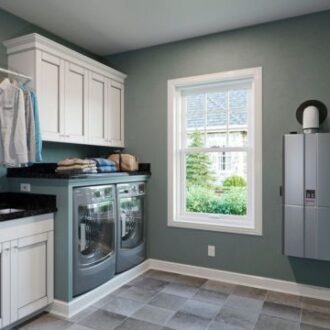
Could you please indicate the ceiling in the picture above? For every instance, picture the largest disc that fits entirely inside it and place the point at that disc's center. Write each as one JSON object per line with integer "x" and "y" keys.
{"x": 112, "y": 26}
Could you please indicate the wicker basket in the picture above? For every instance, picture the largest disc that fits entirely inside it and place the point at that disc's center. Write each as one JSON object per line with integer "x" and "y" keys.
{"x": 125, "y": 162}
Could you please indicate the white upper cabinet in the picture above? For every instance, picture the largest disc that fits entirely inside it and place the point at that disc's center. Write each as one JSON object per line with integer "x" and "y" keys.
{"x": 80, "y": 100}
{"x": 98, "y": 105}
{"x": 51, "y": 95}
{"x": 115, "y": 120}
{"x": 76, "y": 104}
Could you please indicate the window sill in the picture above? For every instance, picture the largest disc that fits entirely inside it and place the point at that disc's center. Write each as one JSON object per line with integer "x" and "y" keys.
{"x": 215, "y": 227}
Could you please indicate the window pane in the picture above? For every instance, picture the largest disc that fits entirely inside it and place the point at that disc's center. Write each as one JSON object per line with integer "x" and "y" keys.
{"x": 238, "y": 108}
{"x": 195, "y": 111}
{"x": 216, "y": 183}
{"x": 217, "y": 119}
{"x": 195, "y": 139}
{"x": 217, "y": 101}
{"x": 238, "y": 99}
{"x": 217, "y": 110}
{"x": 215, "y": 139}
{"x": 237, "y": 138}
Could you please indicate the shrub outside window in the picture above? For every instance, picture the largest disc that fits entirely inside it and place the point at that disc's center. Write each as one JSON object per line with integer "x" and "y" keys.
{"x": 214, "y": 152}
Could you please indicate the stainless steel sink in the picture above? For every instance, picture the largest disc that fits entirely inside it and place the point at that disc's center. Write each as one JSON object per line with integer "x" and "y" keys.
{"x": 7, "y": 211}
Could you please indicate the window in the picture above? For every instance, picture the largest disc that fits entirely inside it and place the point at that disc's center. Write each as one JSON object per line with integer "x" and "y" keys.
{"x": 214, "y": 152}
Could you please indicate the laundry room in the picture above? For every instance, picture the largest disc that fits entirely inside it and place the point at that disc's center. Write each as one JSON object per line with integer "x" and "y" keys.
{"x": 164, "y": 164}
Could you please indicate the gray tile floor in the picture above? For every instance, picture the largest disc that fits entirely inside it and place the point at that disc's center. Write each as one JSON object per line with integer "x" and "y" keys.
{"x": 159, "y": 300}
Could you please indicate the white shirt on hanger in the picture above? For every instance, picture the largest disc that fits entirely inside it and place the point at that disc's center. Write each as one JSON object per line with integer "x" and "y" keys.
{"x": 13, "y": 142}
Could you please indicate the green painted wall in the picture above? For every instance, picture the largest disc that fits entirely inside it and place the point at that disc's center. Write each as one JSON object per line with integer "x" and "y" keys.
{"x": 295, "y": 56}
{"x": 11, "y": 27}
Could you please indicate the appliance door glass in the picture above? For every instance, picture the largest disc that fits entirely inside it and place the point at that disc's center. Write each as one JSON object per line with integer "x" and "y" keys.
{"x": 96, "y": 232}
{"x": 131, "y": 221}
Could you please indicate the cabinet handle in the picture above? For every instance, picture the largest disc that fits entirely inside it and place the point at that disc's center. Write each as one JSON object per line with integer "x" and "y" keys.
{"x": 7, "y": 249}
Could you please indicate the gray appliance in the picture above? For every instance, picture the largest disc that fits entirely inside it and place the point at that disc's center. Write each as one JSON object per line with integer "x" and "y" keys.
{"x": 94, "y": 237}
{"x": 307, "y": 195}
{"x": 131, "y": 226}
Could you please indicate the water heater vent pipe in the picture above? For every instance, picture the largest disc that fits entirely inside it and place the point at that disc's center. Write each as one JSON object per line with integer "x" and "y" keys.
{"x": 311, "y": 114}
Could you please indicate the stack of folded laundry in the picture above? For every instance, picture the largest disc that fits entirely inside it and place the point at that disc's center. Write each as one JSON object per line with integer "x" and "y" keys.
{"x": 72, "y": 166}
{"x": 105, "y": 165}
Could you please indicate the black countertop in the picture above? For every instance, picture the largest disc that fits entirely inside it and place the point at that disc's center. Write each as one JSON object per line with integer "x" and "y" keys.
{"x": 47, "y": 171}
{"x": 28, "y": 204}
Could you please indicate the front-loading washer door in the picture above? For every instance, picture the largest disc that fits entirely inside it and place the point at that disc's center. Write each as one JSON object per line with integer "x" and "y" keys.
{"x": 96, "y": 235}
{"x": 131, "y": 221}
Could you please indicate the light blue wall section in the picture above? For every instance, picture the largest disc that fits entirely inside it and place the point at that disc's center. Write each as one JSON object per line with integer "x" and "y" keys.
{"x": 295, "y": 57}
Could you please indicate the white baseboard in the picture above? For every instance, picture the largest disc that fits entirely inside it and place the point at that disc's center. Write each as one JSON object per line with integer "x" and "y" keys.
{"x": 69, "y": 309}
{"x": 243, "y": 279}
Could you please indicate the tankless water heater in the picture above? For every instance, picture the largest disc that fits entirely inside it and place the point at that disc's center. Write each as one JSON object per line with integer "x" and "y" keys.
{"x": 307, "y": 195}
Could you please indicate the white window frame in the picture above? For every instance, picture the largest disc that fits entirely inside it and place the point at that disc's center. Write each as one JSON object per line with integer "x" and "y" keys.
{"x": 252, "y": 222}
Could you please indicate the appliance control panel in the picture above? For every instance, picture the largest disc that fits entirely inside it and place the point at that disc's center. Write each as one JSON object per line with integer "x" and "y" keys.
{"x": 96, "y": 193}
{"x": 131, "y": 189}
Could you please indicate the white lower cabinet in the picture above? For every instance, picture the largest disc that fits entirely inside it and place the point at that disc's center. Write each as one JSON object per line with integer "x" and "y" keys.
{"x": 26, "y": 267}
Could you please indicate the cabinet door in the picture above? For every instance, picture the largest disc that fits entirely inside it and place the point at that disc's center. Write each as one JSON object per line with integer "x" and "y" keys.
{"x": 50, "y": 76}
{"x": 76, "y": 104}
{"x": 294, "y": 195}
{"x": 98, "y": 105}
{"x": 5, "y": 284}
{"x": 31, "y": 274}
{"x": 115, "y": 120}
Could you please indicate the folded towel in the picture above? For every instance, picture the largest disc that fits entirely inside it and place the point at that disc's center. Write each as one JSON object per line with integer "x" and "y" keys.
{"x": 75, "y": 167}
{"x": 73, "y": 171}
{"x": 106, "y": 169}
{"x": 76, "y": 161}
{"x": 103, "y": 162}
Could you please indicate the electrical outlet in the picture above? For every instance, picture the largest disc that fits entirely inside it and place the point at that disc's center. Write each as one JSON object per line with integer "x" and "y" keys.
{"x": 25, "y": 187}
{"x": 211, "y": 250}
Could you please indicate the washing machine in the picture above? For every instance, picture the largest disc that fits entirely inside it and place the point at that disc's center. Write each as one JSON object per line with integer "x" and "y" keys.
{"x": 131, "y": 249}
{"x": 94, "y": 237}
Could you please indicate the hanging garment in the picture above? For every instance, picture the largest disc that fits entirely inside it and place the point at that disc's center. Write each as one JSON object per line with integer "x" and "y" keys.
{"x": 38, "y": 138}
{"x": 13, "y": 134}
{"x": 30, "y": 127}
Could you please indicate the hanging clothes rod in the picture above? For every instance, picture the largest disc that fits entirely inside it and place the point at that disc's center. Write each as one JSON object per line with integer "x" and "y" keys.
{"x": 16, "y": 74}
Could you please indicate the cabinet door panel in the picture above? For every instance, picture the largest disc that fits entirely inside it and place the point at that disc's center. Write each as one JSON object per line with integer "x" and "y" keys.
{"x": 317, "y": 234}
{"x": 294, "y": 169}
{"x": 51, "y": 88}
{"x": 97, "y": 109}
{"x": 294, "y": 231}
{"x": 75, "y": 103}
{"x": 28, "y": 275}
{"x": 323, "y": 163}
{"x": 32, "y": 266}
{"x": 5, "y": 284}
{"x": 116, "y": 120}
